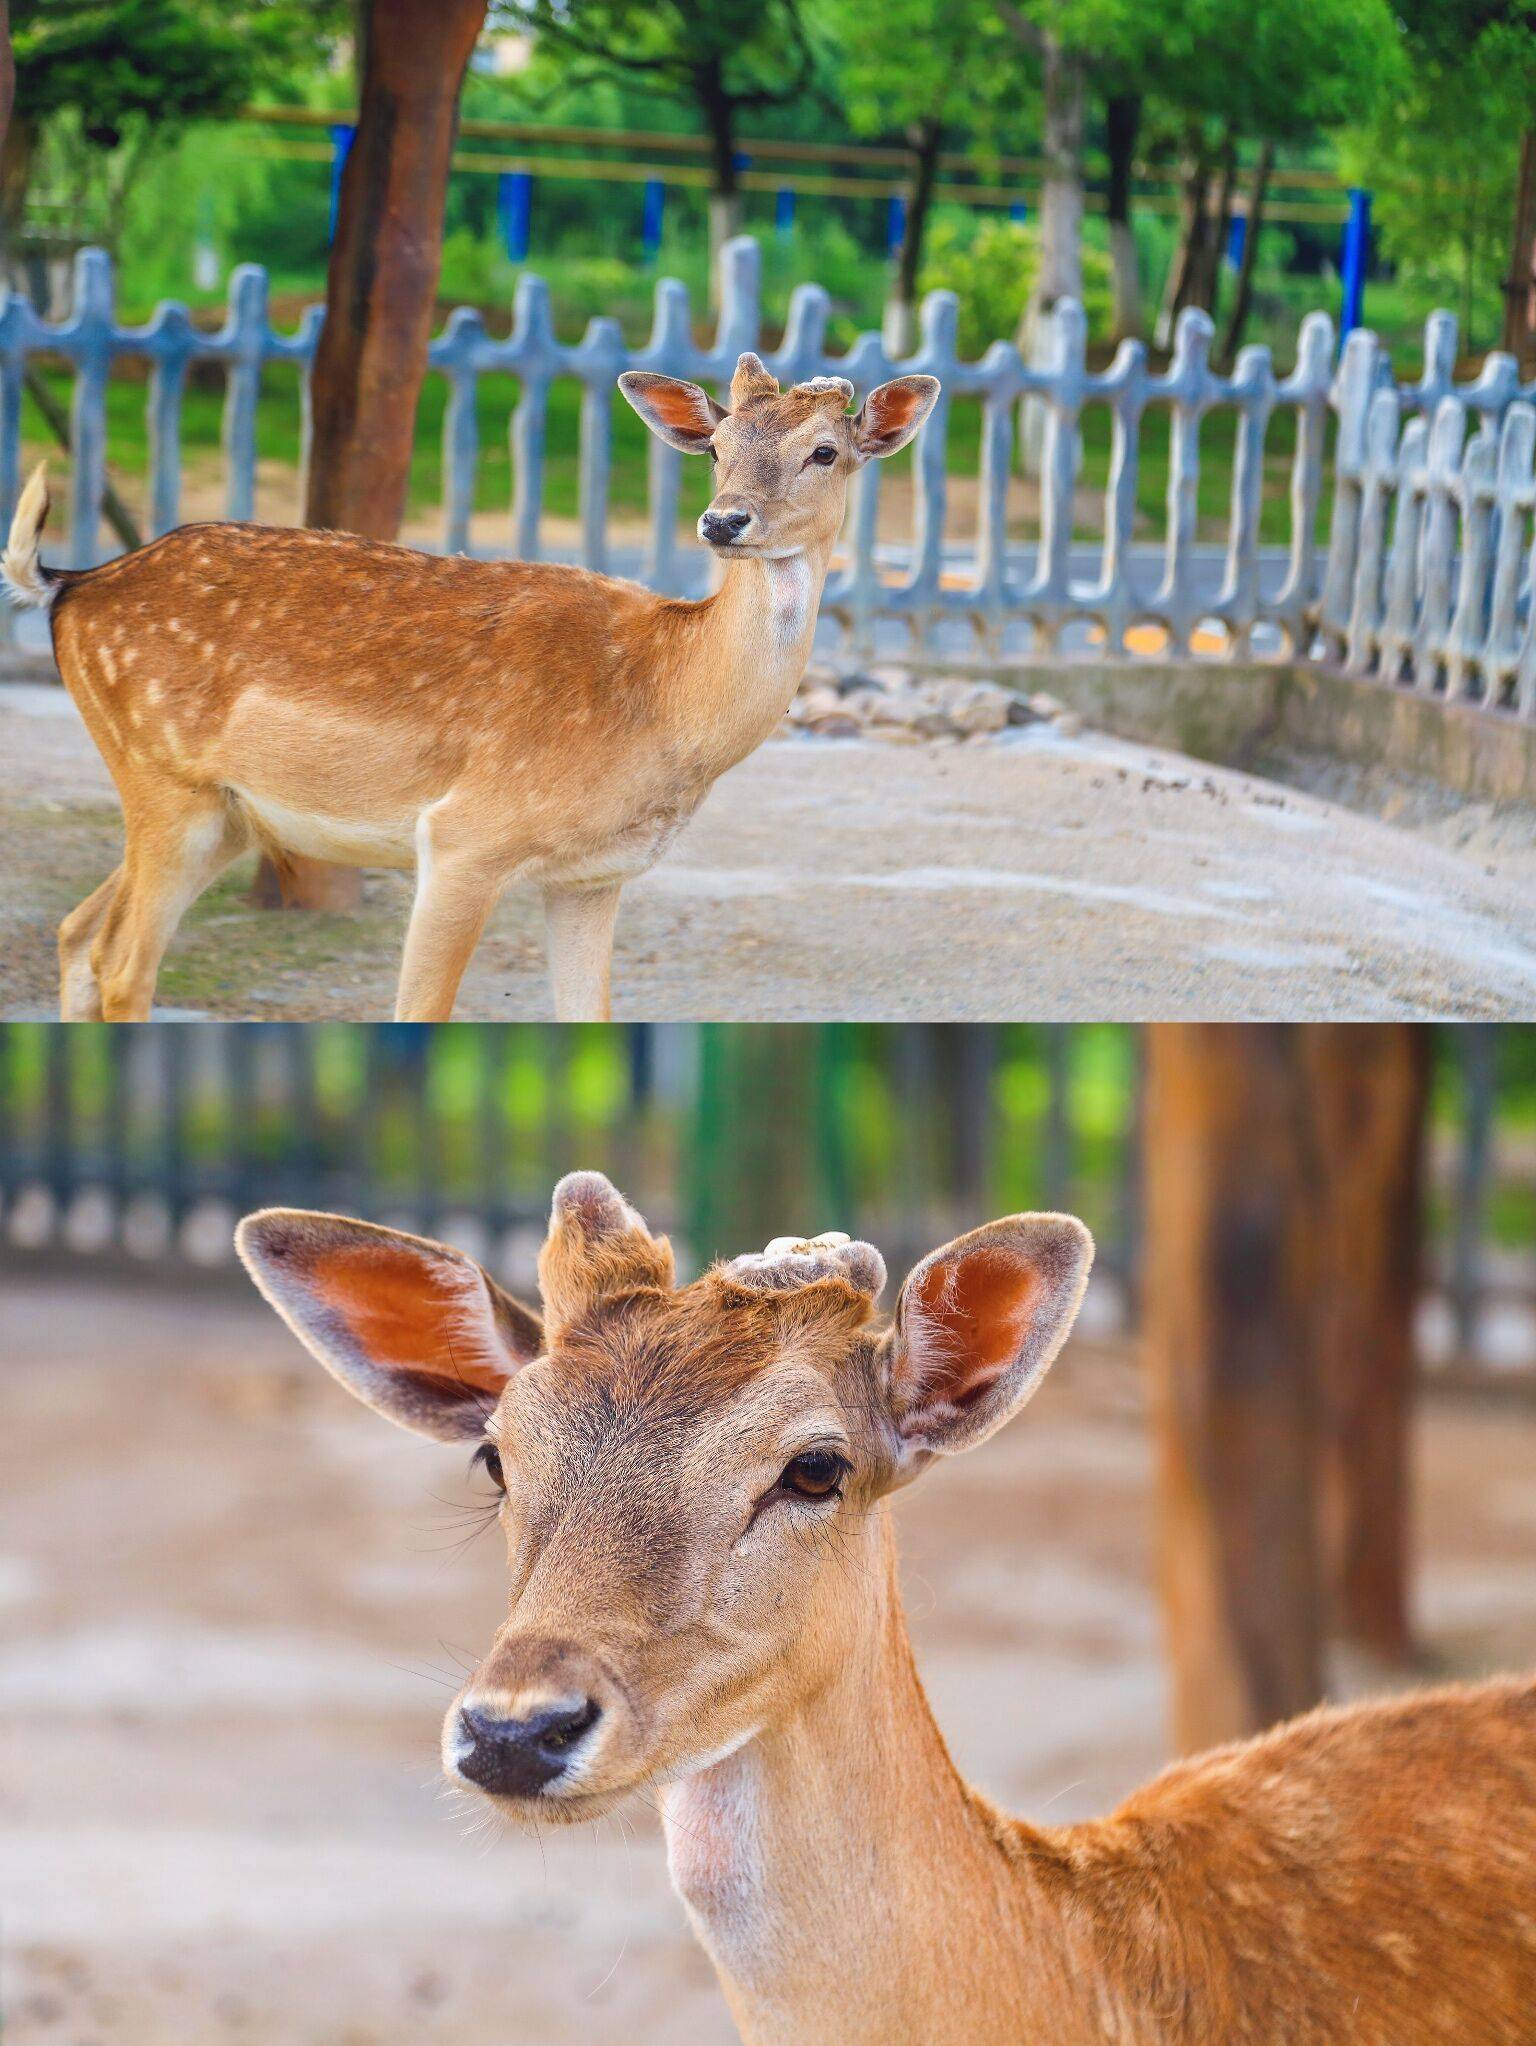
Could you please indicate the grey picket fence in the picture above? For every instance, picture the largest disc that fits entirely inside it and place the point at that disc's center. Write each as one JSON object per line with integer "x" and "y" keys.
{"x": 1464, "y": 522}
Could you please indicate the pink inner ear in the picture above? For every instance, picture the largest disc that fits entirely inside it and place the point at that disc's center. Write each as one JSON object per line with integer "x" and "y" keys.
{"x": 972, "y": 1317}
{"x": 680, "y": 407}
{"x": 404, "y": 1314}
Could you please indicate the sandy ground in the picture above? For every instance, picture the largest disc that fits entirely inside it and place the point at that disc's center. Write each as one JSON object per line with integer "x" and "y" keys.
{"x": 231, "y": 1608}
{"x": 1034, "y": 874}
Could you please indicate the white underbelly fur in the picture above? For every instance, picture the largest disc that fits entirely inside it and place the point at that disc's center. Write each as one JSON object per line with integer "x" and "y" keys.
{"x": 346, "y": 840}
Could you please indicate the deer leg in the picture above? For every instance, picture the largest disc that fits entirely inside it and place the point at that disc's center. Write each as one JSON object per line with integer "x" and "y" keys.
{"x": 578, "y": 924}
{"x": 79, "y": 991}
{"x": 454, "y": 897}
{"x": 171, "y": 858}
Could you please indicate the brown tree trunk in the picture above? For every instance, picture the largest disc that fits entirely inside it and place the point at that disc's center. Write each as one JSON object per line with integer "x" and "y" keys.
{"x": 1209, "y": 283}
{"x": 380, "y": 295}
{"x": 7, "y": 73}
{"x": 1242, "y": 301}
{"x": 1518, "y": 283}
{"x": 1194, "y": 223}
{"x": 1122, "y": 123}
{"x": 1370, "y": 1090}
{"x": 717, "y": 105}
{"x": 1231, "y": 1270}
{"x": 900, "y": 324}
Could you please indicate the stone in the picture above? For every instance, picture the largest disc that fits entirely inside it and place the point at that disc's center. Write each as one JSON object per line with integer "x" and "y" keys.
{"x": 980, "y": 707}
{"x": 1046, "y": 706}
{"x": 836, "y": 724}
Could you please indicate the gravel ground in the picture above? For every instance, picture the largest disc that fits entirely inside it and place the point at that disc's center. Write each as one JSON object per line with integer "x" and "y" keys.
{"x": 231, "y": 1607}
{"x": 1034, "y": 874}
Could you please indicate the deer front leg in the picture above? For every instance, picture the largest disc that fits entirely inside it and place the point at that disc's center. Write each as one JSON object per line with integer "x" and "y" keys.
{"x": 454, "y": 897}
{"x": 578, "y": 925}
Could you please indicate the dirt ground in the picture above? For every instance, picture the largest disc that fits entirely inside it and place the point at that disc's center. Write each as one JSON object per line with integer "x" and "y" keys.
{"x": 232, "y": 1605}
{"x": 1033, "y": 874}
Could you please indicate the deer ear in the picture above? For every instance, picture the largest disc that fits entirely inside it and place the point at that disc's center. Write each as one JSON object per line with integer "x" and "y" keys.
{"x": 977, "y": 1326}
{"x": 891, "y": 415}
{"x": 417, "y": 1331}
{"x": 680, "y": 414}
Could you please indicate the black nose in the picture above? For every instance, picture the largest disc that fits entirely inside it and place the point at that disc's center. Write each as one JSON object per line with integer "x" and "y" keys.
{"x": 723, "y": 527}
{"x": 517, "y": 1757}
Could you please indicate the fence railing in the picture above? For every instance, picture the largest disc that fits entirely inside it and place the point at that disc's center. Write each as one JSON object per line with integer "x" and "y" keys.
{"x": 1308, "y": 596}
{"x": 145, "y": 1146}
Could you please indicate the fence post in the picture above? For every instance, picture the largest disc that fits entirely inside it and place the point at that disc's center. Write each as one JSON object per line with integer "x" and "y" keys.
{"x": 514, "y": 202}
{"x": 1018, "y": 212}
{"x": 784, "y": 211}
{"x": 1237, "y": 240}
{"x": 895, "y": 223}
{"x": 343, "y": 135}
{"x": 652, "y": 213}
{"x": 1357, "y": 253}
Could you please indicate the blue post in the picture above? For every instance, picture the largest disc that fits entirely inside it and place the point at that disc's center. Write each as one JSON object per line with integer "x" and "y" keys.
{"x": 1357, "y": 253}
{"x": 784, "y": 211}
{"x": 343, "y": 135}
{"x": 1018, "y": 211}
{"x": 895, "y": 222}
{"x": 514, "y": 203}
{"x": 652, "y": 211}
{"x": 1237, "y": 240}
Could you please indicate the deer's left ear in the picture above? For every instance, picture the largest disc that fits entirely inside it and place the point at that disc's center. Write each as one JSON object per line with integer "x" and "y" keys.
{"x": 415, "y": 1330}
{"x": 977, "y": 1326}
{"x": 679, "y": 413}
{"x": 891, "y": 415}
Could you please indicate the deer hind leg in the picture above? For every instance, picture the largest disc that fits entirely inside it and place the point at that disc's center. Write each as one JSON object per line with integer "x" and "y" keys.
{"x": 79, "y": 990}
{"x": 578, "y": 925}
{"x": 172, "y": 856}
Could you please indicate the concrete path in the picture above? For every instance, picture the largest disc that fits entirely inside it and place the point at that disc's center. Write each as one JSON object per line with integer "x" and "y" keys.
{"x": 1032, "y": 875}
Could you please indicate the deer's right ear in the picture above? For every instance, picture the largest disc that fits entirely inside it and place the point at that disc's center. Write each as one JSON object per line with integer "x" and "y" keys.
{"x": 977, "y": 1327}
{"x": 417, "y": 1331}
{"x": 680, "y": 414}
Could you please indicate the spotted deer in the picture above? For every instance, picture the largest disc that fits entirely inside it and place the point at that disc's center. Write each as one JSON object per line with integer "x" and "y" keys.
{"x": 319, "y": 694}
{"x": 695, "y": 1488}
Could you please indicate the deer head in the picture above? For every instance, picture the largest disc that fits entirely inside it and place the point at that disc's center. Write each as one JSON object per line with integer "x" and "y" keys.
{"x": 692, "y": 1476}
{"x": 782, "y": 459}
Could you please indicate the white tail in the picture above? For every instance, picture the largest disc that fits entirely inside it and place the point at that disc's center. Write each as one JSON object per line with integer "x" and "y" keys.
{"x": 707, "y": 1600}
{"x": 27, "y": 582}
{"x": 317, "y": 694}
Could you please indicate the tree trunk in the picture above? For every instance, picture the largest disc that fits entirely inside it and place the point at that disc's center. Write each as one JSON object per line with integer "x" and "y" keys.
{"x": 1194, "y": 224}
{"x": 1218, "y": 227}
{"x": 1519, "y": 281}
{"x": 900, "y": 324}
{"x": 718, "y": 108}
{"x": 1242, "y": 300}
{"x": 1370, "y": 1089}
{"x": 1122, "y": 123}
{"x": 1231, "y": 1272}
{"x": 7, "y": 74}
{"x": 380, "y": 297}
{"x": 1059, "y": 270}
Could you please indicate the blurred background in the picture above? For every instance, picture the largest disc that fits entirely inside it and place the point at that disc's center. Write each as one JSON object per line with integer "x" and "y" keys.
{"x": 1290, "y": 1453}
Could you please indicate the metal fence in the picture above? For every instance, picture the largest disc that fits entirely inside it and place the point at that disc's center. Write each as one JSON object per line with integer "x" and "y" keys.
{"x": 148, "y": 1144}
{"x": 997, "y": 592}
{"x": 145, "y": 1146}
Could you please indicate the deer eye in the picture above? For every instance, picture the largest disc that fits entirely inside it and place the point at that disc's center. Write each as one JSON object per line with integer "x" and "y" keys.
{"x": 823, "y": 456}
{"x": 818, "y": 1474}
{"x": 488, "y": 1458}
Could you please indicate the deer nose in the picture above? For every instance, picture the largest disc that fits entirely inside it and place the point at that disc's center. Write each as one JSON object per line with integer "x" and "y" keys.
{"x": 518, "y": 1757}
{"x": 724, "y": 527}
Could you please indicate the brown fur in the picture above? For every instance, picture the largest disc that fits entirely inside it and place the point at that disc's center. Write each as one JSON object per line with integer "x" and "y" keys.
{"x": 1360, "y": 1877}
{"x": 320, "y": 694}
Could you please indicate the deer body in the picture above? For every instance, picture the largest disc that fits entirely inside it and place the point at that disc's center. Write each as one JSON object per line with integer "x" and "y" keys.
{"x": 483, "y": 722}
{"x": 683, "y": 1617}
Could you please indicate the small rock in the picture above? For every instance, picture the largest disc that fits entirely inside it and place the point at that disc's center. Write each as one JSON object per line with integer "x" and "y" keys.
{"x": 887, "y": 676}
{"x": 812, "y": 704}
{"x": 836, "y": 724}
{"x": 982, "y": 707}
{"x": 1022, "y": 712}
{"x": 1046, "y": 706}
{"x": 1070, "y": 725}
{"x": 851, "y": 684}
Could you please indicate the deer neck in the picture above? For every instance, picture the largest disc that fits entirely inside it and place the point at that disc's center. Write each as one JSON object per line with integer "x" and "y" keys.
{"x": 743, "y": 652}
{"x": 846, "y": 1883}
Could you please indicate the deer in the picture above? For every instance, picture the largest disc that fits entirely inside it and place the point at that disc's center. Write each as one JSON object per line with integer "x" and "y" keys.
{"x": 695, "y": 1481}
{"x": 314, "y": 693}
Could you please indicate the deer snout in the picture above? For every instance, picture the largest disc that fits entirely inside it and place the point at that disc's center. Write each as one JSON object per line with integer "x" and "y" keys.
{"x": 722, "y": 528}
{"x": 522, "y": 1756}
